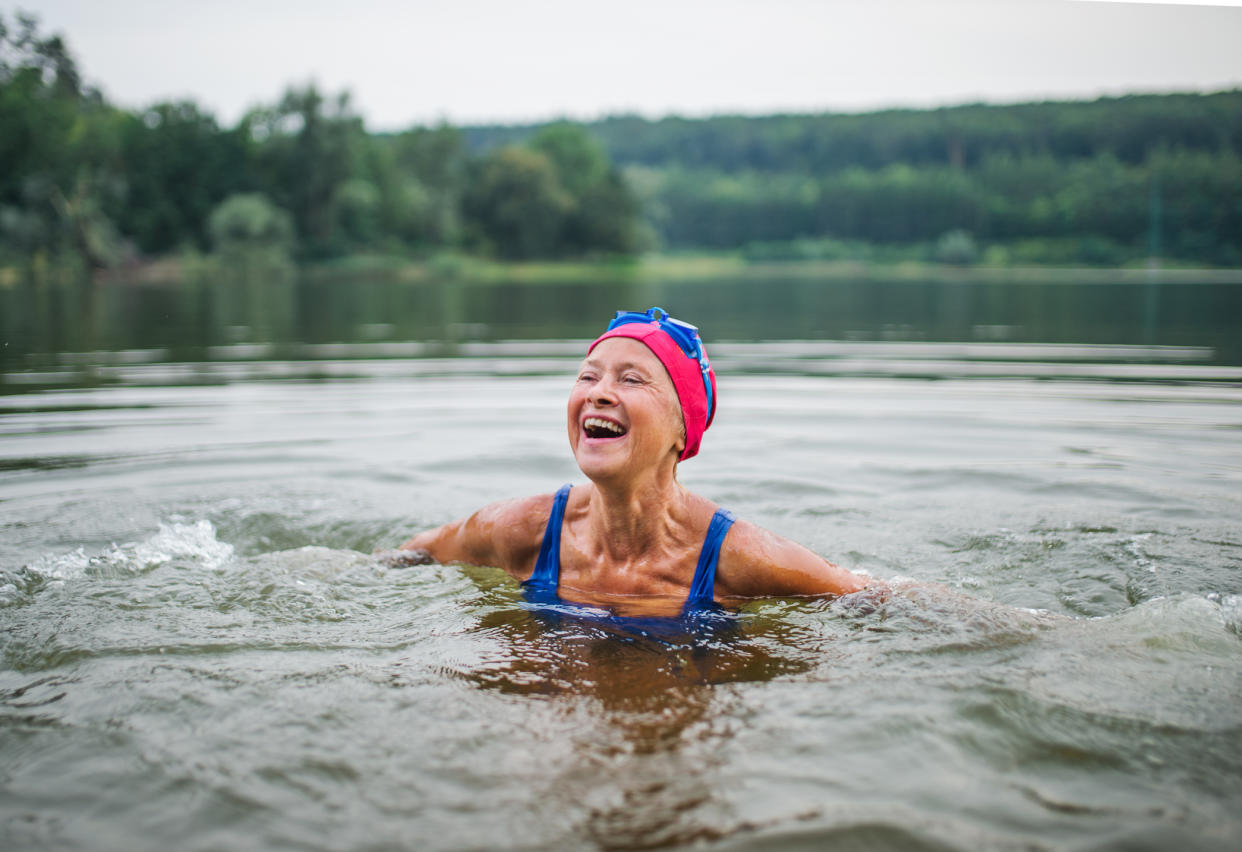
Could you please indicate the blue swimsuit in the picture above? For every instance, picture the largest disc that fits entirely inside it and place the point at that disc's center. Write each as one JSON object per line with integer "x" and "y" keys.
{"x": 541, "y": 587}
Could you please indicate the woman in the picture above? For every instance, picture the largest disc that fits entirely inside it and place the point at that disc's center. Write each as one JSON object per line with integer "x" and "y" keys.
{"x": 633, "y": 539}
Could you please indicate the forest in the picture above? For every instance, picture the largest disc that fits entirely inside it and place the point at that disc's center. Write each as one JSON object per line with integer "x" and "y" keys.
{"x": 1111, "y": 182}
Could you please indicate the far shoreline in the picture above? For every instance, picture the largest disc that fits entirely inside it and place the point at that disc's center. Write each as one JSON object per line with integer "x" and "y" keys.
{"x": 663, "y": 267}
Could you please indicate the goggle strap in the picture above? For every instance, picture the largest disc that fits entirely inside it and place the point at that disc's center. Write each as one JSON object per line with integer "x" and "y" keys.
{"x": 685, "y": 335}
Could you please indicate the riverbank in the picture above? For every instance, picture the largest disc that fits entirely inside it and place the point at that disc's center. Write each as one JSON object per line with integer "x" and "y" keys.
{"x": 694, "y": 267}
{"x": 174, "y": 270}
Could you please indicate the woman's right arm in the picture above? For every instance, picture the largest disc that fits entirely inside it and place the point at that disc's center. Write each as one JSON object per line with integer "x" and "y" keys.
{"x": 504, "y": 535}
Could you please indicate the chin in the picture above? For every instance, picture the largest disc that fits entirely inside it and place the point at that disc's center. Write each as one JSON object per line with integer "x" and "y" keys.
{"x": 608, "y": 462}
{"x": 596, "y": 467}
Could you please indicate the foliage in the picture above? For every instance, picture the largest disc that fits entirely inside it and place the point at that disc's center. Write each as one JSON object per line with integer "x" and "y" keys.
{"x": 1077, "y": 171}
{"x": 177, "y": 166}
{"x": 956, "y": 248}
{"x": 249, "y": 220}
{"x": 603, "y": 212}
{"x": 57, "y": 145}
{"x": 517, "y": 204}
{"x": 559, "y": 196}
{"x": 1105, "y": 182}
{"x": 252, "y": 237}
{"x": 304, "y": 154}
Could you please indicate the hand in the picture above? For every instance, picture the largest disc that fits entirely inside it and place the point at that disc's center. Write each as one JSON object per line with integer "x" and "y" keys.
{"x": 403, "y": 558}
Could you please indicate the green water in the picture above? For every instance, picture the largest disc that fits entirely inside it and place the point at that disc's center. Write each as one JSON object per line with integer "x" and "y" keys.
{"x": 197, "y": 650}
{"x": 319, "y": 317}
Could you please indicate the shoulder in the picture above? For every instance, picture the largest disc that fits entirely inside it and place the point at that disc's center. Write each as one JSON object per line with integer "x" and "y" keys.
{"x": 517, "y": 513}
{"x": 506, "y": 535}
{"x": 515, "y": 530}
{"x": 755, "y": 562}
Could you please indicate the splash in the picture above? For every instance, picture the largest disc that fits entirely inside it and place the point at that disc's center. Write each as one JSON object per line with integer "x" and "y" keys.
{"x": 191, "y": 544}
{"x": 194, "y": 543}
{"x": 1230, "y": 610}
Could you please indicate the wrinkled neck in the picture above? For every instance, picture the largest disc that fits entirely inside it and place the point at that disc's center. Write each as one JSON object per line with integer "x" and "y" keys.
{"x": 632, "y": 518}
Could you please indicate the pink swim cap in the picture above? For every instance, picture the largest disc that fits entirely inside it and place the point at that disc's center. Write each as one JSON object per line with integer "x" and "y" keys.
{"x": 692, "y": 374}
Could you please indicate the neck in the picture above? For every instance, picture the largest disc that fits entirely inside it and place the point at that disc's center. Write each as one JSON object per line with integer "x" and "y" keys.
{"x": 634, "y": 517}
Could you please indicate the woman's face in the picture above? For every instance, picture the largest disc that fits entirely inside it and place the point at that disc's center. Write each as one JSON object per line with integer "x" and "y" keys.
{"x": 624, "y": 416}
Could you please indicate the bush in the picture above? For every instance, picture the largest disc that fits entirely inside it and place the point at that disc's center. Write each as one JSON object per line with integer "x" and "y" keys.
{"x": 956, "y": 248}
{"x": 249, "y": 220}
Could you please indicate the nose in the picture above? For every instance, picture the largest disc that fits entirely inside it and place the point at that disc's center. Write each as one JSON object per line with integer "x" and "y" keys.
{"x": 603, "y": 392}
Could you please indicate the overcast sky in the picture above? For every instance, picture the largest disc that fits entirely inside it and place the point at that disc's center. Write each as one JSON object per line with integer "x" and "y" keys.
{"x": 471, "y": 61}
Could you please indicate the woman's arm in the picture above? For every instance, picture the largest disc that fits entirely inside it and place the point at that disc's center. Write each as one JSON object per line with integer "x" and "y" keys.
{"x": 756, "y": 563}
{"x": 504, "y": 535}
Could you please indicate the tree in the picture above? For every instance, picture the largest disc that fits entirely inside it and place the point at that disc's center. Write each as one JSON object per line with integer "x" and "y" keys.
{"x": 603, "y": 214}
{"x": 432, "y": 168}
{"x": 177, "y": 166}
{"x": 58, "y": 145}
{"x": 516, "y": 204}
{"x": 956, "y": 248}
{"x": 304, "y": 153}
{"x": 253, "y": 238}
{"x": 250, "y": 220}
{"x": 579, "y": 160}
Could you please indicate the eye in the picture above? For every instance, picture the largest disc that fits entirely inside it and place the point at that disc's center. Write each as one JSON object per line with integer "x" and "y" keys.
{"x": 631, "y": 379}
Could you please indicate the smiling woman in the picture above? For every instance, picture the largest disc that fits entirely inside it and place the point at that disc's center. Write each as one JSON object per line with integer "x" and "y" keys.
{"x": 634, "y": 540}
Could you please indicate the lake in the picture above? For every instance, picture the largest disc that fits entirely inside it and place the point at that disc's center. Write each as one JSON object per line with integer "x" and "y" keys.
{"x": 197, "y": 649}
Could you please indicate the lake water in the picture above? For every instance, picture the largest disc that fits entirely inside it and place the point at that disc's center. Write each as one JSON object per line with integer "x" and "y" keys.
{"x": 198, "y": 651}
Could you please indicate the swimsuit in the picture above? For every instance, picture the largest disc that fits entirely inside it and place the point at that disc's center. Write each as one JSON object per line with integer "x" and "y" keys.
{"x": 547, "y": 574}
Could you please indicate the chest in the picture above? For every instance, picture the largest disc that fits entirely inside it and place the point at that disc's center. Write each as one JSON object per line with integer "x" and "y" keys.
{"x": 666, "y": 572}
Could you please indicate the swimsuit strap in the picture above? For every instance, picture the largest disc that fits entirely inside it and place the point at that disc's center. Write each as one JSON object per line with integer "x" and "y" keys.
{"x": 547, "y": 573}
{"x": 703, "y": 585}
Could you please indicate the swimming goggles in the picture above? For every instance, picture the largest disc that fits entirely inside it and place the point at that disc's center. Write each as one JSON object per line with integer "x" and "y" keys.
{"x": 685, "y": 335}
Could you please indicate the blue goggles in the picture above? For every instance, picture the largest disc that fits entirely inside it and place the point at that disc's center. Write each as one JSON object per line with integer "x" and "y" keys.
{"x": 685, "y": 335}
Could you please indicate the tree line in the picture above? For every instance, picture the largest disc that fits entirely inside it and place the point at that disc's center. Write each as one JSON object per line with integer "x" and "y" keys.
{"x": 1105, "y": 182}
{"x": 82, "y": 178}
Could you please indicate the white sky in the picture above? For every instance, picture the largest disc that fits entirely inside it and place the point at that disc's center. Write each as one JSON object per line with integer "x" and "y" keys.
{"x": 472, "y": 61}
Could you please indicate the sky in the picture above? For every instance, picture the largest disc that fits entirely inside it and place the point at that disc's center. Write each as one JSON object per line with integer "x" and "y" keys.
{"x": 415, "y": 62}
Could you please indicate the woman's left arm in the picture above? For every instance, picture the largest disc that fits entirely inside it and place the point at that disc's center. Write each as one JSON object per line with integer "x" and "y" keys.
{"x": 757, "y": 563}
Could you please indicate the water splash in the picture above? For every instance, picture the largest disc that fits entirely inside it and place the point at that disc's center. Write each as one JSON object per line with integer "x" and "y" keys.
{"x": 187, "y": 545}
{"x": 1230, "y": 611}
{"x": 194, "y": 543}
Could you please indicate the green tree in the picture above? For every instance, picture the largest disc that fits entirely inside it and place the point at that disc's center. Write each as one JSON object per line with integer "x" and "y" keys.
{"x": 516, "y": 204}
{"x": 58, "y": 147}
{"x": 252, "y": 237}
{"x": 305, "y": 151}
{"x": 957, "y": 248}
{"x": 579, "y": 160}
{"x": 250, "y": 220}
{"x": 177, "y": 166}
{"x": 603, "y": 214}
{"x": 607, "y": 218}
{"x": 432, "y": 166}
{"x": 360, "y": 213}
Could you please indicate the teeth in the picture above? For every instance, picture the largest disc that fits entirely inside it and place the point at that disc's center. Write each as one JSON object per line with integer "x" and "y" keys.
{"x": 599, "y": 423}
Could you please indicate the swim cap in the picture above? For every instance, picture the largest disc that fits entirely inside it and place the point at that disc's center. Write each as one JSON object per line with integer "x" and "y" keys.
{"x": 680, "y": 350}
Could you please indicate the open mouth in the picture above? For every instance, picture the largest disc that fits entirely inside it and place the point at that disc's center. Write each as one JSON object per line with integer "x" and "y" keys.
{"x": 598, "y": 427}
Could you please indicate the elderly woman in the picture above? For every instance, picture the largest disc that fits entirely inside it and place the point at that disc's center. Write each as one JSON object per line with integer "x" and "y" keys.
{"x": 634, "y": 540}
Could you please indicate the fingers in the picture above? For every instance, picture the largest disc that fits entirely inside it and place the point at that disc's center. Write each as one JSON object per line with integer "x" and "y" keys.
{"x": 403, "y": 558}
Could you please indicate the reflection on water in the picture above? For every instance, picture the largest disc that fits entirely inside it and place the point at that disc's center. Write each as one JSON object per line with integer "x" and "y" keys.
{"x": 621, "y": 662}
{"x": 653, "y": 719}
{"x": 112, "y": 323}
{"x": 429, "y": 704}
{"x": 197, "y": 649}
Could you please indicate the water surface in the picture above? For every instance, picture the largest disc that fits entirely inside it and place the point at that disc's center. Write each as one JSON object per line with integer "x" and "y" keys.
{"x": 198, "y": 650}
